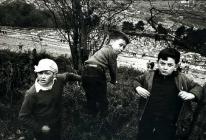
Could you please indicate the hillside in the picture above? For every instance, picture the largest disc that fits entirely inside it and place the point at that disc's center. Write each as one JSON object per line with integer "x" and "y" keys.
{"x": 136, "y": 55}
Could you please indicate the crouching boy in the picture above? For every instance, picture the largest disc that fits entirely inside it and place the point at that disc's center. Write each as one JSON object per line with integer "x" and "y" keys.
{"x": 93, "y": 76}
{"x": 165, "y": 97}
{"x": 41, "y": 108}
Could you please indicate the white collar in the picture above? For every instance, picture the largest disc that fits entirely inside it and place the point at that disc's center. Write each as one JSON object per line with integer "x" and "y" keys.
{"x": 38, "y": 87}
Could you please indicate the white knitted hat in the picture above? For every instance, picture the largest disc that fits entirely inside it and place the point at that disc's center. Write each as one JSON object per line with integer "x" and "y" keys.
{"x": 46, "y": 64}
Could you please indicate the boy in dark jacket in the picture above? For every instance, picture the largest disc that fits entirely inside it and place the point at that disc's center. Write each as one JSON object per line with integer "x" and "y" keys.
{"x": 165, "y": 94}
{"x": 93, "y": 77}
{"x": 41, "y": 108}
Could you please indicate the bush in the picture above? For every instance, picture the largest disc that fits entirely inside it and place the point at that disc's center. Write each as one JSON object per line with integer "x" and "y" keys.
{"x": 127, "y": 26}
{"x": 119, "y": 124}
{"x": 140, "y": 25}
{"x": 192, "y": 40}
{"x": 21, "y": 14}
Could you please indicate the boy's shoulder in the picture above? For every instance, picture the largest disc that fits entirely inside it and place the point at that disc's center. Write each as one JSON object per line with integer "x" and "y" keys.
{"x": 149, "y": 73}
{"x": 182, "y": 75}
{"x": 107, "y": 49}
{"x": 31, "y": 90}
{"x": 62, "y": 76}
{"x": 146, "y": 75}
{"x": 204, "y": 85}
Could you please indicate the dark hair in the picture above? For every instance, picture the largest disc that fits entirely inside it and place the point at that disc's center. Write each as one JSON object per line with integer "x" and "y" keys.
{"x": 115, "y": 34}
{"x": 169, "y": 52}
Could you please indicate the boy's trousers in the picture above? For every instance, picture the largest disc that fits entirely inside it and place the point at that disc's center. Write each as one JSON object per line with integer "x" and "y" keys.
{"x": 156, "y": 129}
{"x": 95, "y": 86}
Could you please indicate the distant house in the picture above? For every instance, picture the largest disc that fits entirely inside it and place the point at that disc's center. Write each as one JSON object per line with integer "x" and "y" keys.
{"x": 187, "y": 2}
{"x": 184, "y": 1}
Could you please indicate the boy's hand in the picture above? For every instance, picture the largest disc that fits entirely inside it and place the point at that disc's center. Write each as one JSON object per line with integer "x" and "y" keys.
{"x": 186, "y": 95}
{"x": 142, "y": 92}
{"x": 45, "y": 129}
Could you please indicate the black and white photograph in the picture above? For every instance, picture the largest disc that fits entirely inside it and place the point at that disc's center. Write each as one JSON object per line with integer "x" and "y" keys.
{"x": 102, "y": 70}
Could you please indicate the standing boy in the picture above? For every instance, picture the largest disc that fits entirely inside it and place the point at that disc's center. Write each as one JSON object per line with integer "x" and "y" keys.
{"x": 165, "y": 95}
{"x": 41, "y": 108}
{"x": 93, "y": 77}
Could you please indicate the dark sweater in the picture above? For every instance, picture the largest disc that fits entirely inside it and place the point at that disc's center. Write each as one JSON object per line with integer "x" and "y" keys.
{"x": 164, "y": 101}
{"x": 107, "y": 59}
{"x": 44, "y": 107}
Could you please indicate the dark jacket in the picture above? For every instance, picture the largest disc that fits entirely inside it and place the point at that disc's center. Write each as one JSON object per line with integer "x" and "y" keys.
{"x": 199, "y": 127}
{"x": 183, "y": 83}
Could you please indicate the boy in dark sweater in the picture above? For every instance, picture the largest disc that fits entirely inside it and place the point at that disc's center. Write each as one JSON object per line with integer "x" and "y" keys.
{"x": 93, "y": 77}
{"x": 164, "y": 92}
{"x": 41, "y": 108}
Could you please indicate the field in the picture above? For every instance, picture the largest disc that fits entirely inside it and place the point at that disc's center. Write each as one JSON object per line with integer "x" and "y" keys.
{"x": 28, "y": 39}
{"x": 23, "y": 40}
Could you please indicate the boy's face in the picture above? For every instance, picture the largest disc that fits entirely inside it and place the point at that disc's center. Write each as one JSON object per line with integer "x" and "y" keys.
{"x": 166, "y": 67}
{"x": 118, "y": 45}
{"x": 45, "y": 78}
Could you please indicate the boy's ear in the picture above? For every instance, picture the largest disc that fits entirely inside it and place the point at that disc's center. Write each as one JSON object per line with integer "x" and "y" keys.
{"x": 107, "y": 40}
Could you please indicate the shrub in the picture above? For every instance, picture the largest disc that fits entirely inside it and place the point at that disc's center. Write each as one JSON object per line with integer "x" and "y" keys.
{"x": 21, "y": 14}
{"x": 128, "y": 26}
{"x": 140, "y": 25}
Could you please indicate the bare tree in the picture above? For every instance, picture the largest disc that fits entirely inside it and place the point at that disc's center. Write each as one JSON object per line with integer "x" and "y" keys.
{"x": 193, "y": 11}
{"x": 190, "y": 14}
{"x": 80, "y": 20}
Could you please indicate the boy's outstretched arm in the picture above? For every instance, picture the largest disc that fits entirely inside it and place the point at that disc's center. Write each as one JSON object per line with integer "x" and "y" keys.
{"x": 139, "y": 86}
{"x": 140, "y": 80}
{"x": 142, "y": 92}
{"x": 68, "y": 76}
{"x": 186, "y": 95}
{"x": 73, "y": 77}
{"x": 193, "y": 88}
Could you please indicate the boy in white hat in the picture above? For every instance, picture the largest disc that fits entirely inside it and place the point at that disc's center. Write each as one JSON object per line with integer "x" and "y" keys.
{"x": 41, "y": 108}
